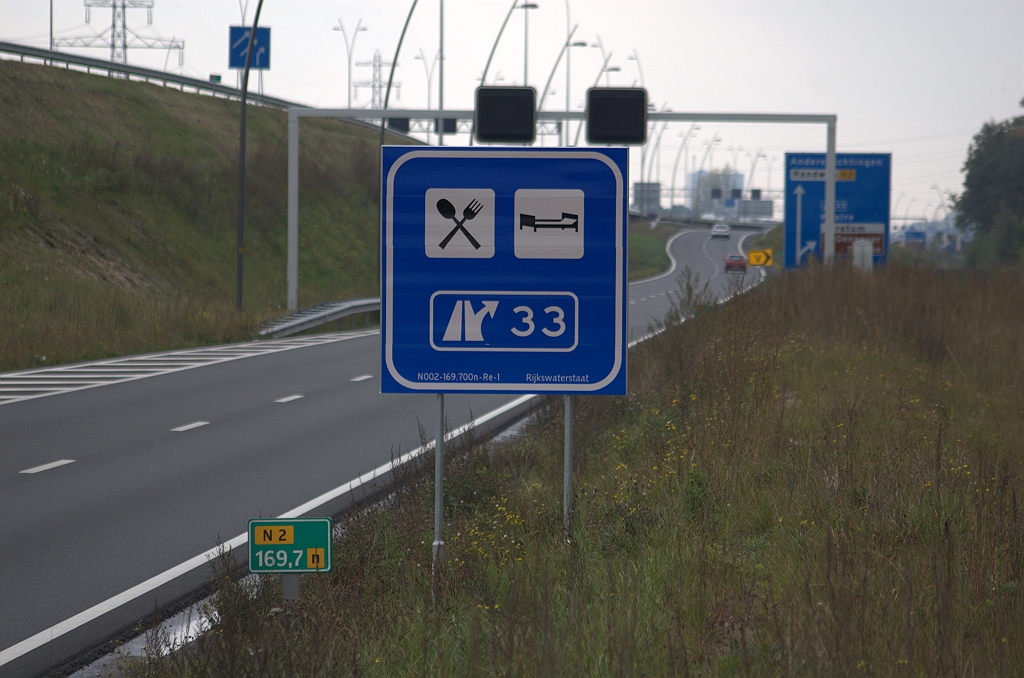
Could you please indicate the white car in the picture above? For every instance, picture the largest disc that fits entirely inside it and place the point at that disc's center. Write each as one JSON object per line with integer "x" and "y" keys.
{"x": 720, "y": 231}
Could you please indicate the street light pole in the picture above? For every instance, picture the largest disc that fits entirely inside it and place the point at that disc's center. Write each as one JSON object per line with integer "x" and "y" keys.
{"x": 430, "y": 76}
{"x": 240, "y": 261}
{"x": 440, "y": 79}
{"x": 711, "y": 146}
{"x": 675, "y": 166}
{"x": 349, "y": 48}
{"x": 942, "y": 201}
{"x": 526, "y": 7}
{"x": 558, "y": 60}
{"x": 605, "y": 68}
{"x": 906, "y": 215}
{"x": 568, "y": 74}
{"x": 605, "y": 57}
{"x": 654, "y": 151}
{"x": 635, "y": 56}
{"x": 490, "y": 57}
{"x": 896, "y": 207}
{"x": 753, "y": 165}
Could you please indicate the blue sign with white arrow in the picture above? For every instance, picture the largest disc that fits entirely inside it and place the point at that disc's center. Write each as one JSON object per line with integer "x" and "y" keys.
{"x": 504, "y": 270}
{"x": 863, "y": 186}
{"x": 239, "y": 44}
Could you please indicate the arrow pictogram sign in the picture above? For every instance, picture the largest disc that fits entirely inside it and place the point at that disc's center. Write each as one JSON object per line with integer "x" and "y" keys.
{"x": 759, "y": 257}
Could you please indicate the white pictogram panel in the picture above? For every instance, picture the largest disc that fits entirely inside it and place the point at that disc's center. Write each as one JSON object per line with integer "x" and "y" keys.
{"x": 548, "y": 224}
{"x": 459, "y": 223}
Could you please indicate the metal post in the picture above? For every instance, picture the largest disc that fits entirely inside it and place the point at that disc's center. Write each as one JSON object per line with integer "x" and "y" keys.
{"x": 293, "y": 210}
{"x": 829, "y": 248}
{"x": 567, "y": 471}
{"x": 290, "y": 586}
{"x": 568, "y": 75}
{"x": 526, "y": 44}
{"x": 438, "y": 546}
{"x": 241, "y": 159}
{"x": 440, "y": 82}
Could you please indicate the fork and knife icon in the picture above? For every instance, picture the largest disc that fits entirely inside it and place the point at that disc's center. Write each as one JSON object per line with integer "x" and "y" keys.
{"x": 447, "y": 210}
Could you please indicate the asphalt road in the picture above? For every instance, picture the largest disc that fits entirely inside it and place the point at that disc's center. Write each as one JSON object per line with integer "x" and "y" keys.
{"x": 141, "y": 498}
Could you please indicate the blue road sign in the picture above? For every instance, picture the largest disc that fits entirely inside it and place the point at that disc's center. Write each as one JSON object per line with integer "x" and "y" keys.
{"x": 504, "y": 270}
{"x": 863, "y": 182}
{"x": 239, "y": 43}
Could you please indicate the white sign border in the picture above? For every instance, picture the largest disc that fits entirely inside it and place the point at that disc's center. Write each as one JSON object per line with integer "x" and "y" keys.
{"x": 437, "y": 386}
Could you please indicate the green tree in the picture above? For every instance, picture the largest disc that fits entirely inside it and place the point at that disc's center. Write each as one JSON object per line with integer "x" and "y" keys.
{"x": 992, "y": 203}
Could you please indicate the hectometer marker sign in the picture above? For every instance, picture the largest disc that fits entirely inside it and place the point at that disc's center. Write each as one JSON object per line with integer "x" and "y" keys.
{"x": 504, "y": 270}
{"x": 290, "y": 545}
{"x": 862, "y": 204}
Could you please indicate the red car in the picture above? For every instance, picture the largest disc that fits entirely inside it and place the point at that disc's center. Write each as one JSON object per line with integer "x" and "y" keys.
{"x": 736, "y": 262}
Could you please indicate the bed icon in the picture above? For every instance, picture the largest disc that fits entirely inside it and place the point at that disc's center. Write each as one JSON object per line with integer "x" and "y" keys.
{"x": 567, "y": 221}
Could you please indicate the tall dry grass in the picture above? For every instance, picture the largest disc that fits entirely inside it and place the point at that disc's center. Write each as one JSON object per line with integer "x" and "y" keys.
{"x": 821, "y": 477}
{"x": 52, "y": 318}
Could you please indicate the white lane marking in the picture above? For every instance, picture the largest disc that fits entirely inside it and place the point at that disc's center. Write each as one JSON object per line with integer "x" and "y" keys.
{"x": 288, "y": 399}
{"x": 362, "y": 377}
{"x": 47, "y": 467}
{"x": 189, "y": 427}
{"x": 704, "y": 248}
{"x": 86, "y": 616}
{"x": 671, "y": 258}
{"x": 26, "y": 385}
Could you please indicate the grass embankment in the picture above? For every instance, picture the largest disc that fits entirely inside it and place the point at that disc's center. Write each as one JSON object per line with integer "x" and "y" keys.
{"x": 647, "y": 254}
{"x": 822, "y": 477}
{"x": 118, "y": 216}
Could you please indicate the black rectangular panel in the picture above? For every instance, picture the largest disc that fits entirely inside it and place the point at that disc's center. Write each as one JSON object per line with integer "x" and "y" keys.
{"x": 506, "y": 115}
{"x": 399, "y": 125}
{"x": 617, "y": 115}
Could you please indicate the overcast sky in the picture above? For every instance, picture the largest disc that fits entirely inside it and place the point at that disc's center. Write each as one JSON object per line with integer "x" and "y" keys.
{"x": 915, "y": 78}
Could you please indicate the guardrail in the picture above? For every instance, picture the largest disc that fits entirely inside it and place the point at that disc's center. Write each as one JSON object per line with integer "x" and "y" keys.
{"x": 139, "y": 74}
{"x": 315, "y": 316}
{"x": 89, "y": 64}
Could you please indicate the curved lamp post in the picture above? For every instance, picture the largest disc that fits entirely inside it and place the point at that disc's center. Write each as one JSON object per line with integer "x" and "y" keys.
{"x": 605, "y": 68}
{"x": 558, "y": 60}
{"x": 350, "y": 46}
{"x": 636, "y": 57}
{"x": 906, "y": 215}
{"x": 896, "y": 207}
{"x": 241, "y": 162}
{"x": 675, "y": 166}
{"x": 490, "y": 57}
{"x": 711, "y": 145}
{"x": 429, "y": 71}
{"x": 753, "y": 165}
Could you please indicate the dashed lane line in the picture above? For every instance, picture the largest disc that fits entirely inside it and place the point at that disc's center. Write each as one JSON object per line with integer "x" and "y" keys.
{"x": 30, "y": 384}
{"x": 362, "y": 377}
{"x": 47, "y": 467}
{"x": 189, "y": 427}
{"x": 288, "y": 399}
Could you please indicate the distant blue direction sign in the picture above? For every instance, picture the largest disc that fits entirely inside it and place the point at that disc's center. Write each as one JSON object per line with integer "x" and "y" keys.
{"x": 863, "y": 185}
{"x": 239, "y": 43}
{"x": 504, "y": 270}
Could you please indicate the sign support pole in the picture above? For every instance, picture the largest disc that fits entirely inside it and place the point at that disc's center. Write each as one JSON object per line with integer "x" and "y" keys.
{"x": 293, "y": 210}
{"x": 828, "y": 249}
{"x": 438, "y": 546}
{"x": 567, "y": 479}
{"x": 290, "y": 586}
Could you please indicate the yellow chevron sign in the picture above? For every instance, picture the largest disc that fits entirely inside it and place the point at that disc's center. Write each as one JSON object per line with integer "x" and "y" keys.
{"x": 759, "y": 257}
